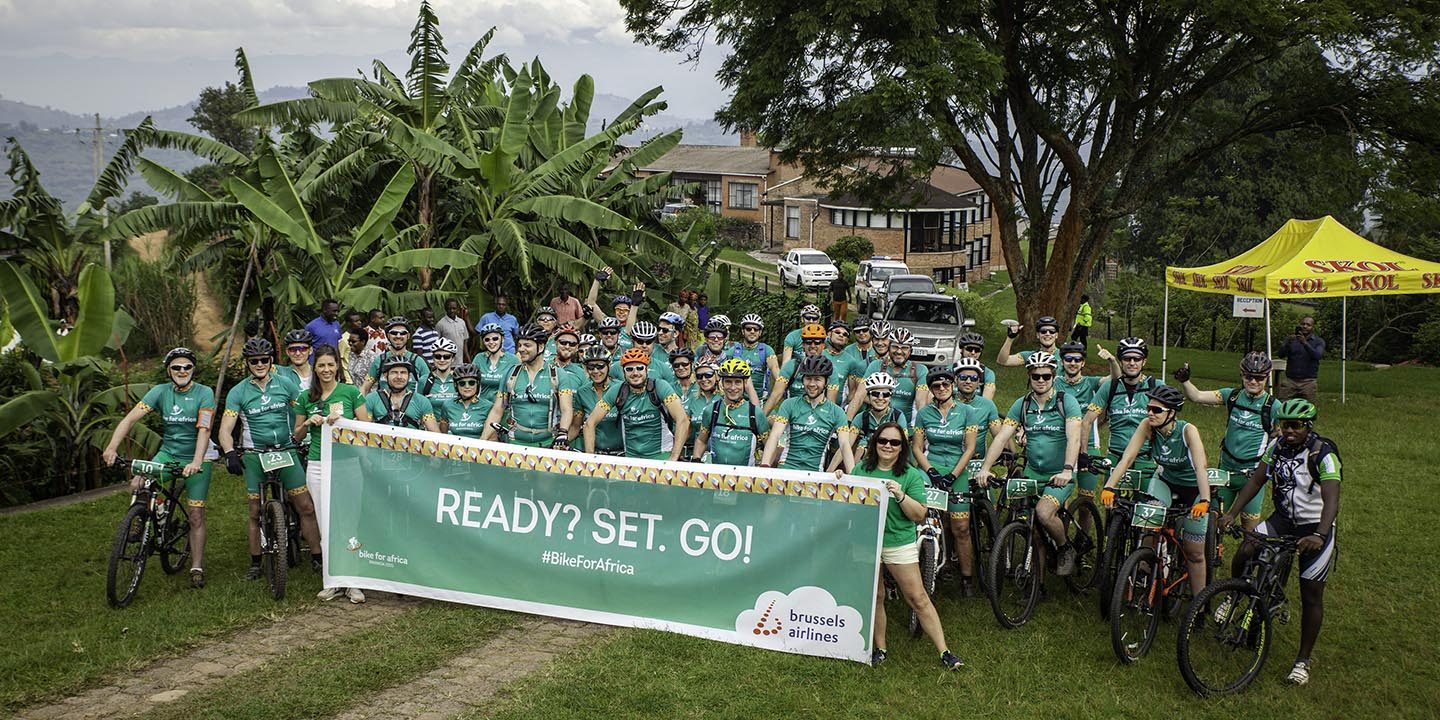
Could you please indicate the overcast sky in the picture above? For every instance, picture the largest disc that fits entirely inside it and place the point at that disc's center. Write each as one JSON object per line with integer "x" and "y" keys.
{"x": 120, "y": 56}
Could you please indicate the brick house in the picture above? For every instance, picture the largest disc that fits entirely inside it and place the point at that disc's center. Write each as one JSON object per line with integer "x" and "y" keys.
{"x": 947, "y": 233}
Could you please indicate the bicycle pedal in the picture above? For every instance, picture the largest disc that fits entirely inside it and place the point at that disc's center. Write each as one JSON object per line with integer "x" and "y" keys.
{"x": 1283, "y": 617}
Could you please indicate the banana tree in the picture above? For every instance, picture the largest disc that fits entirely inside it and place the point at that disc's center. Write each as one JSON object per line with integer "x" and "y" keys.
{"x": 78, "y": 412}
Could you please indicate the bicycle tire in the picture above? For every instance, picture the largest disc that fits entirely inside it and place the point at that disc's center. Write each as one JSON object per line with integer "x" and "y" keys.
{"x": 929, "y": 567}
{"x": 1199, "y": 623}
{"x": 1134, "y": 596}
{"x": 1214, "y": 555}
{"x": 174, "y": 541}
{"x": 293, "y": 550}
{"x": 1088, "y": 545}
{"x": 982, "y": 541}
{"x": 1014, "y": 563}
{"x": 273, "y": 558}
{"x": 1119, "y": 543}
{"x": 127, "y": 556}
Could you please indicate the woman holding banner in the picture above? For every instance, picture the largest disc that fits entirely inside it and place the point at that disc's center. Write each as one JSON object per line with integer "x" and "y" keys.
{"x": 888, "y": 459}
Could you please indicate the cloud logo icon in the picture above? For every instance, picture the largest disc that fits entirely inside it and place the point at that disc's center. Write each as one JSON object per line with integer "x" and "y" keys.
{"x": 808, "y": 621}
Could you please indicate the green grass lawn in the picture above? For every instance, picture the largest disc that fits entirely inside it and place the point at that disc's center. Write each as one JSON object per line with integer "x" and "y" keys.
{"x": 740, "y": 257}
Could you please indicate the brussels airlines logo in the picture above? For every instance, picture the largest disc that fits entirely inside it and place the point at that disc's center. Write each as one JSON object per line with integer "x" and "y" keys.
{"x": 807, "y": 620}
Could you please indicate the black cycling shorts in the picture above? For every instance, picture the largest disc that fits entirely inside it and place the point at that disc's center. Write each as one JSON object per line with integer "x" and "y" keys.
{"x": 1314, "y": 566}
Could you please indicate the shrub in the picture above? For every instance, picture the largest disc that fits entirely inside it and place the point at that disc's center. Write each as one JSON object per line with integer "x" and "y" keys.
{"x": 983, "y": 312}
{"x": 161, "y": 301}
{"x": 851, "y": 248}
{"x": 1426, "y": 345}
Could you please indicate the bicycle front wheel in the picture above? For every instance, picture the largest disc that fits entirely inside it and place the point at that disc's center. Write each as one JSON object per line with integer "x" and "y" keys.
{"x": 929, "y": 566}
{"x": 1224, "y": 638}
{"x": 174, "y": 541}
{"x": 127, "y": 556}
{"x": 982, "y": 540}
{"x": 1119, "y": 543}
{"x": 274, "y": 535}
{"x": 1135, "y": 605}
{"x": 1087, "y": 537}
{"x": 1015, "y": 576}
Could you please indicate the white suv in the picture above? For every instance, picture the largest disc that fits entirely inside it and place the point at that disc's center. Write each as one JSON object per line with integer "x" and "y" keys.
{"x": 807, "y": 268}
{"x": 870, "y": 278}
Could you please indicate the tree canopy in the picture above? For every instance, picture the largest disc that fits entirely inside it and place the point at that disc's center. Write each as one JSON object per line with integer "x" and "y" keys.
{"x": 1071, "y": 116}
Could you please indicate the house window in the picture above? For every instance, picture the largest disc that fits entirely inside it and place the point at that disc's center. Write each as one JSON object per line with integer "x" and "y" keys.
{"x": 947, "y": 275}
{"x": 936, "y": 232}
{"x": 984, "y": 213}
{"x": 742, "y": 195}
{"x": 792, "y": 221}
{"x": 711, "y": 188}
{"x": 980, "y": 251}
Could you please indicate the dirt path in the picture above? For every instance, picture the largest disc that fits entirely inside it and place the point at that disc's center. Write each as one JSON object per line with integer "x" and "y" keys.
{"x": 169, "y": 680}
{"x": 209, "y": 317}
{"x": 472, "y": 679}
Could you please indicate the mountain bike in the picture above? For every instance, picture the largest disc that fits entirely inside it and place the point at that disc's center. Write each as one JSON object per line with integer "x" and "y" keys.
{"x": 1121, "y": 538}
{"x": 1225, "y": 636}
{"x": 933, "y": 552}
{"x": 1154, "y": 579}
{"x": 1023, "y": 550}
{"x": 982, "y": 525}
{"x": 279, "y": 523}
{"x": 154, "y": 523}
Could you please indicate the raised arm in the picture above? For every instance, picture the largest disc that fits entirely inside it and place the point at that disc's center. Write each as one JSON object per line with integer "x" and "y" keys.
{"x": 1004, "y": 358}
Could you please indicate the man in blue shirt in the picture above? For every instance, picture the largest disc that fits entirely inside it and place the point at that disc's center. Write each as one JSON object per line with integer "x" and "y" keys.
{"x": 1302, "y": 353}
{"x": 505, "y": 320}
{"x": 326, "y": 328}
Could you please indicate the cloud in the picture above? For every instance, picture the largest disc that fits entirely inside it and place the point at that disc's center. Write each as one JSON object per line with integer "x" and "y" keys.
{"x": 807, "y": 620}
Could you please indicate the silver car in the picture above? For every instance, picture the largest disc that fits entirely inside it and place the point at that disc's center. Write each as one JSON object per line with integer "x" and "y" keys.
{"x": 935, "y": 319}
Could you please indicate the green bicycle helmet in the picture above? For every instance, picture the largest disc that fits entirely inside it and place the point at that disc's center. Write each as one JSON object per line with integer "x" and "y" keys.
{"x": 1296, "y": 409}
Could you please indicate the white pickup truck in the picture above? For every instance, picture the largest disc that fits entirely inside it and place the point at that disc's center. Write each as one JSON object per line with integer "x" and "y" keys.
{"x": 806, "y": 268}
{"x": 870, "y": 280}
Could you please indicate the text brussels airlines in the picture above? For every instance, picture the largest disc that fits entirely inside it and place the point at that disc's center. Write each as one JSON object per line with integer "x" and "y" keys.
{"x": 606, "y": 527}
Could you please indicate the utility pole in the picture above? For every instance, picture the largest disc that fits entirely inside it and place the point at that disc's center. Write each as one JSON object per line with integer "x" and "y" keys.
{"x": 97, "y": 159}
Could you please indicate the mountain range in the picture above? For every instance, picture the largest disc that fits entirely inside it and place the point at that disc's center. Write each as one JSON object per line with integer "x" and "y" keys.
{"x": 59, "y": 143}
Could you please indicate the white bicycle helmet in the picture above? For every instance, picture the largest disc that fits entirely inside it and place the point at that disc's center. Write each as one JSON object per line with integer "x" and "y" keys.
{"x": 1039, "y": 359}
{"x": 810, "y": 312}
{"x": 444, "y": 345}
{"x": 724, "y": 320}
{"x": 880, "y": 329}
{"x": 879, "y": 381}
{"x": 964, "y": 364}
{"x": 751, "y": 319}
{"x": 902, "y": 337}
{"x": 673, "y": 318}
{"x": 643, "y": 330}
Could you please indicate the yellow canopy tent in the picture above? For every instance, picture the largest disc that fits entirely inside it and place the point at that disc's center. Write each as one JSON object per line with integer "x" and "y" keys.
{"x": 1307, "y": 259}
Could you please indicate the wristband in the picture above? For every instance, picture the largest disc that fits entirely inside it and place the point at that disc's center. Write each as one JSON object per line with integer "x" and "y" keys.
{"x": 1316, "y": 534}
{"x": 1067, "y": 467}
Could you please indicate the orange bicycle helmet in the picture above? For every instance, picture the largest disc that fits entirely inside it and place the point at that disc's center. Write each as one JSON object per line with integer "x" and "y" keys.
{"x": 635, "y": 355}
{"x": 812, "y": 331}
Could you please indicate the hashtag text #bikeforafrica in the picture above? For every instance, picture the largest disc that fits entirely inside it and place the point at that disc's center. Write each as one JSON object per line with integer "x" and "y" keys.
{"x": 580, "y": 562}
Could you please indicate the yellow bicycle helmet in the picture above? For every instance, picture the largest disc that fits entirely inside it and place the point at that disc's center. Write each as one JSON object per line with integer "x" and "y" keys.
{"x": 735, "y": 368}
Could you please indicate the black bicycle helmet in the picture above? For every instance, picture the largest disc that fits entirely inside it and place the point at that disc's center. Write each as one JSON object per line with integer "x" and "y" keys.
{"x": 622, "y": 300}
{"x": 817, "y": 365}
{"x": 861, "y": 323}
{"x": 594, "y": 353}
{"x": 179, "y": 352}
{"x": 257, "y": 347}
{"x": 941, "y": 372}
{"x": 533, "y": 333}
{"x": 1133, "y": 346}
{"x": 392, "y": 362}
{"x": 971, "y": 339}
{"x": 400, "y": 320}
{"x": 1256, "y": 363}
{"x": 717, "y": 326}
{"x": 1047, "y": 321}
{"x": 1072, "y": 347}
{"x": 465, "y": 371}
{"x": 1168, "y": 396}
{"x": 683, "y": 352}
{"x": 299, "y": 336}
{"x": 610, "y": 323}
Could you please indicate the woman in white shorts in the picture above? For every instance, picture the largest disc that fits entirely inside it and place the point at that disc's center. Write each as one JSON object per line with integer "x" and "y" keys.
{"x": 888, "y": 460}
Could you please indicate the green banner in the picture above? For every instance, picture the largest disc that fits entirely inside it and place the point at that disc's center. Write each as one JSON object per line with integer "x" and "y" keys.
{"x": 776, "y": 559}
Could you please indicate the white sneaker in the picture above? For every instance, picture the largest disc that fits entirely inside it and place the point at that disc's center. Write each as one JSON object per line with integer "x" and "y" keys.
{"x": 1300, "y": 674}
{"x": 330, "y": 593}
{"x": 355, "y": 595}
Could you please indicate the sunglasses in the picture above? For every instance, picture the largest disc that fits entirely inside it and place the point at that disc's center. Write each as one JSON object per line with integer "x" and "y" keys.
{"x": 466, "y": 383}
{"x": 594, "y": 367}
{"x": 715, "y": 336}
{"x": 1292, "y": 425}
{"x": 756, "y": 328}
{"x": 638, "y": 341}
{"x": 704, "y": 375}
{"x": 567, "y": 343}
{"x": 1157, "y": 410}
{"x": 860, "y": 330}
{"x": 257, "y": 361}
{"x": 840, "y": 333}
{"x": 1132, "y": 358}
{"x": 298, "y": 348}
{"x": 443, "y": 356}
{"x": 1046, "y": 331}
{"x": 971, "y": 348}
{"x": 968, "y": 378}
{"x": 399, "y": 333}
{"x": 1256, "y": 378}
{"x": 1042, "y": 377}
{"x": 1074, "y": 358}
{"x": 889, "y": 442}
{"x": 812, "y": 342}
{"x": 181, "y": 368}
{"x": 667, "y": 329}
{"x": 941, "y": 383}
{"x": 880, "y": 394}
{"x": 635, "y": 368}
{"x": 609, "y": 332}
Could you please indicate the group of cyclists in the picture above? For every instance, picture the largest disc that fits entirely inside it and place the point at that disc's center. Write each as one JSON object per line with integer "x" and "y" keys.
{"x": 843, "y": 397}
